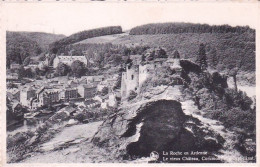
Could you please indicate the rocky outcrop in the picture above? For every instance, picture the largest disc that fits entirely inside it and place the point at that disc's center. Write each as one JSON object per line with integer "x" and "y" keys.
{"x": 158, "y": 125}
{"x": 155, "y": 119}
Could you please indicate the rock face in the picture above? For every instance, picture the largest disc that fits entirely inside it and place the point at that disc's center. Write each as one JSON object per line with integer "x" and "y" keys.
{"x": 158, "y": 125}
{"x": 161, "y": 122}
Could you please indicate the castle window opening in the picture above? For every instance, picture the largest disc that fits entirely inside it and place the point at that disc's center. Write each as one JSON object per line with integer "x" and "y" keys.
{"x": 132, "y": 77}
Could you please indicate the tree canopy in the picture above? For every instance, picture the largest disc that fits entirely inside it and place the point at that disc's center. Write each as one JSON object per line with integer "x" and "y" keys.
{"x": 176, "y": 28}
{"x": 78, "y": 68}
{"x": 202, "y": 58}
{"x": 62, "y": 69}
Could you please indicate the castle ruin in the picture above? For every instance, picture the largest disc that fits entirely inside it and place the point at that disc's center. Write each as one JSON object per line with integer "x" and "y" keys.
{"x": 136, "y": 74}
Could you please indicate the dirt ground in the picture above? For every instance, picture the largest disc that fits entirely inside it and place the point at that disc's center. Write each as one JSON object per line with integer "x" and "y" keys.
{"x": 72, "y": 145}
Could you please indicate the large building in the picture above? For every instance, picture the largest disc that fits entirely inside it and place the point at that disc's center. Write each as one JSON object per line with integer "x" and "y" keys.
{"x": 68, "y": 60}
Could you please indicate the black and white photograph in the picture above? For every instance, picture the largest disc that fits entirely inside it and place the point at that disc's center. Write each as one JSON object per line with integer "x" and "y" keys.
{"x": 130, "y": 82}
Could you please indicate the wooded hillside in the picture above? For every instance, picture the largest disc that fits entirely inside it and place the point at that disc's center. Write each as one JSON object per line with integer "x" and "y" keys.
{"x": 18, "y": 47}
{"x": 222, "y": 49}
{"x": 43, "y": 39}
{"x": 176, "y": 28}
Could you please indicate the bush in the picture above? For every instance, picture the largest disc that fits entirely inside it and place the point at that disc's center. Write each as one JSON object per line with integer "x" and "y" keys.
{"x": 132, "y": 95}
{"x": 78, "y": 68}
{"x": 104, "y": 91}
{"x": 62, "y": 69}
{"x": 235, "y": 118}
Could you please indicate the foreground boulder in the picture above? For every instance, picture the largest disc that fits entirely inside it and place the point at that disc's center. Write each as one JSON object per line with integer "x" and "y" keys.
{"x": 160, "y": 125}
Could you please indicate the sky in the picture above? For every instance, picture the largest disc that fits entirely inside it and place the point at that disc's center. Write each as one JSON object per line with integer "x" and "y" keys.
{"x": 69, "y": 18}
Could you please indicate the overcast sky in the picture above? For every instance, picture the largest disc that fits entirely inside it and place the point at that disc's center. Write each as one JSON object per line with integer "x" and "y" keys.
{"x": 69, "y": 18}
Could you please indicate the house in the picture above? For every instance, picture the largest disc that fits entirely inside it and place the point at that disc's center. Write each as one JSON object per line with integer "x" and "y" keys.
{"x": 31, "y": 66}
{"x": 112, "y": 102}
{"x": 87, "y": 91}
{"x": 14, "y": 93}
{"x": 9, "y": 95}
{"x": 73, "y": 83}
{"x": 69, "y": 110}
{"x": 17, "y": 109}
{"x": 100, "y": 98}
{"x": 50, "y": 96}
{"x": 26, "y": 94}
{"x": 68, "y": 60}
{"x": 15, "y": 66}
{"x": 106, "y": 101}
{"x": 12, "y": 77}
{"x": 45, "y": 96}
{"x": 68, "y": 93}
{"x": 94, "y": 79}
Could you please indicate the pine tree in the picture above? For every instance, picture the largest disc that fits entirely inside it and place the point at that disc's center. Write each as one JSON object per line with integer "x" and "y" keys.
{"x": 202, "y": 58}
{"x": 214, "y": 57}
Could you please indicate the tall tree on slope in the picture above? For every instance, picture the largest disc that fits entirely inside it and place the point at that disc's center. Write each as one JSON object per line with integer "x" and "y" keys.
{"x": 202, "y": 58}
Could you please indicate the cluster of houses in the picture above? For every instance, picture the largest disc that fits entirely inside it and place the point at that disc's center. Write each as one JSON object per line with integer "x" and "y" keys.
{"x": 83, "y": 91}
{"x": 36, "y": 94}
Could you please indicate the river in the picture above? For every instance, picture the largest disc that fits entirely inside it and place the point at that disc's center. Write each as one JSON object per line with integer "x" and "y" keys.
{"x": 27, "y": 124}
{"x": 249, "y": 90}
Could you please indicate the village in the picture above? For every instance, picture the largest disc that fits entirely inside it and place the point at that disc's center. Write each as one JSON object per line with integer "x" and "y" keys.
{"x": 31, "y": 97}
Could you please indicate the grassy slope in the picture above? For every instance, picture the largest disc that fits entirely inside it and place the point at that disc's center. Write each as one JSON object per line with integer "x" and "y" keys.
{"x": 102, "y": 39}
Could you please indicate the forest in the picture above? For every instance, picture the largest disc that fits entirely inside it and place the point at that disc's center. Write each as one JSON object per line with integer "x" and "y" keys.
{"x": 177, "y": 28}
{"x": 18, "y": 47}
{"x": 222, "y": 49}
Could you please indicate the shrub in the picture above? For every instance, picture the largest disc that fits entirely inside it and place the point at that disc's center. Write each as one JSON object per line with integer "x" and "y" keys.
{"x": 132, "y": 95}
{"x": 104, "y": 91}
{"x": 78, "y": 68}
{"x": 62, "y": 69}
